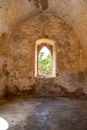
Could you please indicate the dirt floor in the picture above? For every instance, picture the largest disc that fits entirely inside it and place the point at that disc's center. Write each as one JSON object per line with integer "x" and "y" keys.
{"x": 44, "y": 113}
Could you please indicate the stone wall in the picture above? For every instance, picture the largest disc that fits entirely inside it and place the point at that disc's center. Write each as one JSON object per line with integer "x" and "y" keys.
{"x": 17, "y": 61}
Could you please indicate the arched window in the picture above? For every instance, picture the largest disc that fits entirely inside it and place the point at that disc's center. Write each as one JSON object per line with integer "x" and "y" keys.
{"x": 45, "y": 62}
{"x": 45, "y": 58}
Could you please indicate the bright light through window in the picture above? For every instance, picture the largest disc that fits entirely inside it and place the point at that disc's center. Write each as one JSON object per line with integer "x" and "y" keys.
{"x": 48, "y": 47}
{"x": 45, "y": 51}
{"x": 45, "y": 62}
{"x": 3, "y": 124}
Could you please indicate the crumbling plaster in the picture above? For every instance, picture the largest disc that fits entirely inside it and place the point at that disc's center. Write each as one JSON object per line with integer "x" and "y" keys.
{"x": 73, "y": 12}
{"x": 22, "y": 22}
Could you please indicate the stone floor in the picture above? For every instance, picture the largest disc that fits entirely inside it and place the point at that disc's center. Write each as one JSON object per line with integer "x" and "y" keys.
{"x": 45, "y": 114}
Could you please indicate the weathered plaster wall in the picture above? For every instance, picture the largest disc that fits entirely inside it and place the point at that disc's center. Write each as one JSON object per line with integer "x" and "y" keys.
{"x": 22, "y": 22}
{"x": 74, "y": 12}
{"x": 18, "y": 57}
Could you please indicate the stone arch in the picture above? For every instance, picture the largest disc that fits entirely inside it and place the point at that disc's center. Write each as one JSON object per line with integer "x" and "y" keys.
{"x": 21, "y": 52}
{"x": 50, "y": 44}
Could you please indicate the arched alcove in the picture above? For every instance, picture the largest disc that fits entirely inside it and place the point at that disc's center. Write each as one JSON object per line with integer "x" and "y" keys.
{"x": 50, "y": 46}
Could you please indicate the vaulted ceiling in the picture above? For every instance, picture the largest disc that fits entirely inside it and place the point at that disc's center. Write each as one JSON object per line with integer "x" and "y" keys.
{"x": 73, "y": 12}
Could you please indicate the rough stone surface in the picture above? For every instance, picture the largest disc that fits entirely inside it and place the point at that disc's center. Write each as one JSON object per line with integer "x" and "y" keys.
{"x": 22, "y": 22}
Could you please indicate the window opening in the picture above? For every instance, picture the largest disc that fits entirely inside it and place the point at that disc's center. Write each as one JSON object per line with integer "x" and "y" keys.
{"x": 45, "y": 50}
{"x": 45, "y": 62}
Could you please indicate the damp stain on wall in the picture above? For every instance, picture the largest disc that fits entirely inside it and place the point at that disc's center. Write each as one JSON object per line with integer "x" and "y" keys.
{"x": 41, "y": 3}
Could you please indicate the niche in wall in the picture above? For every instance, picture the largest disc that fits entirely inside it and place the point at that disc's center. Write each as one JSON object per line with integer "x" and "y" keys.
{"x": 49, "y": 46}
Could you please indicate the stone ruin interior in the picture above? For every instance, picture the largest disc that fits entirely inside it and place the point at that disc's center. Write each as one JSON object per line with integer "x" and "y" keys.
{"x": 28, "y": 100}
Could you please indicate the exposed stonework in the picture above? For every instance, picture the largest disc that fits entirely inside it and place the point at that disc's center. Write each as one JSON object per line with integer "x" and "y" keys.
{"x": 18, "y": 66}
{"x": 24, "y": 22}
{"x": 50, "y": 87}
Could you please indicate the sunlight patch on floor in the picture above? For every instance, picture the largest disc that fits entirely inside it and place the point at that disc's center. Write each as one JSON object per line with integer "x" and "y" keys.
{"x": 3, "y": 124}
